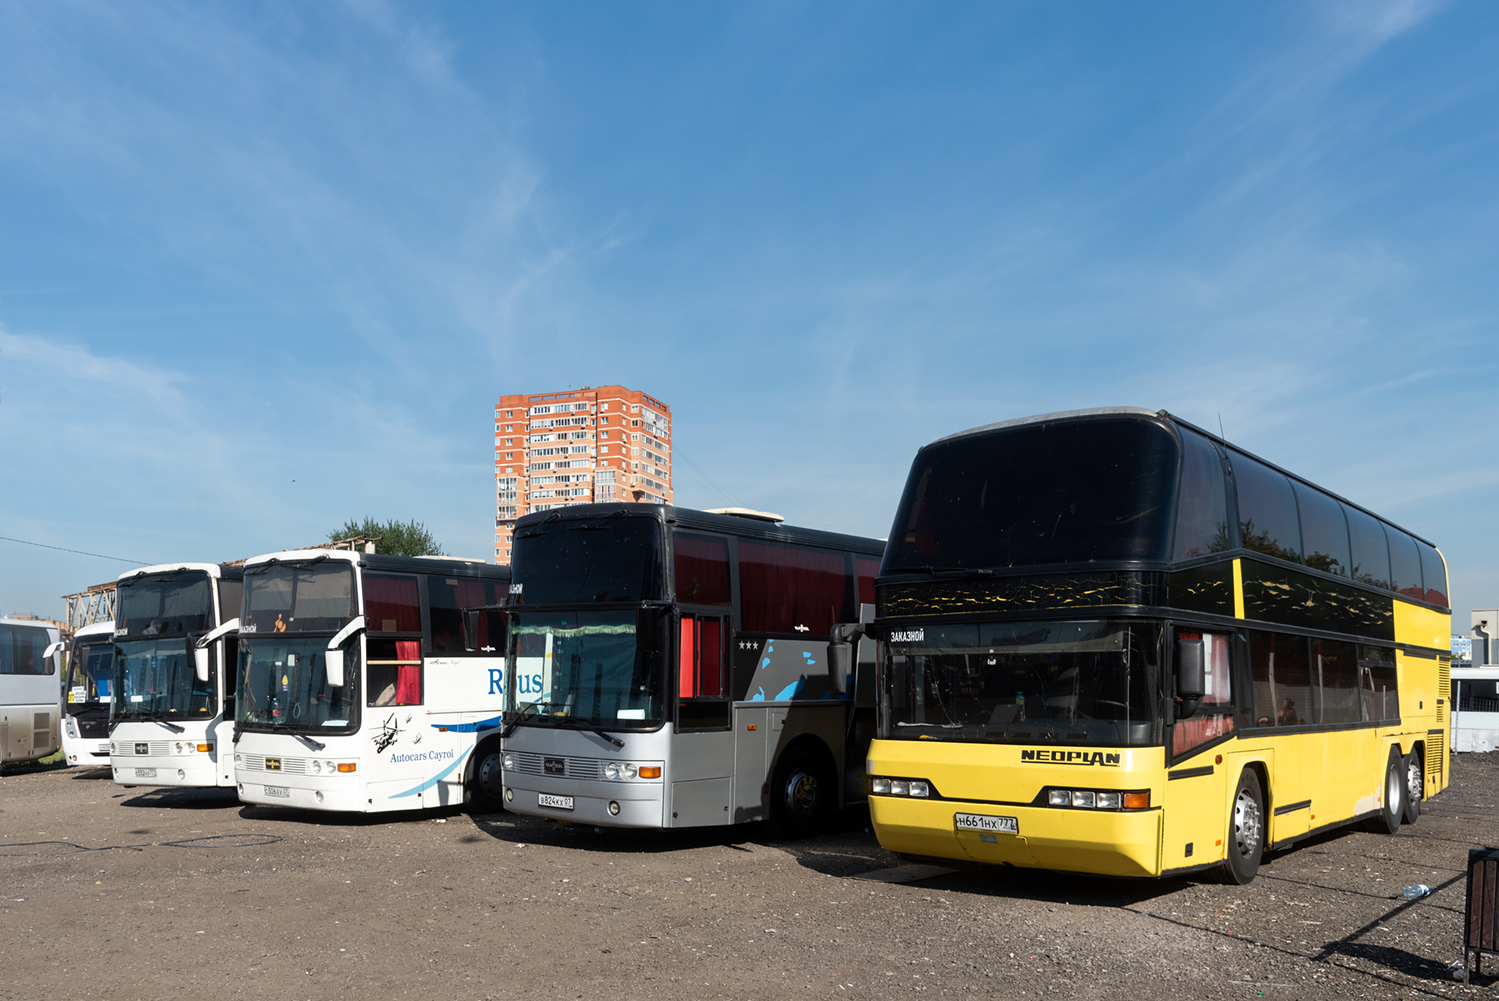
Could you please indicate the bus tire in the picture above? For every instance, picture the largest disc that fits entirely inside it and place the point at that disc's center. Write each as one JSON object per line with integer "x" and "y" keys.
{"x": 1392, "y": 810}
{"x": 1246, "y": 830}
{"x": 1415, "y": 786}
{"x": 801, "y": 793}
{"x": 487, "y": 786}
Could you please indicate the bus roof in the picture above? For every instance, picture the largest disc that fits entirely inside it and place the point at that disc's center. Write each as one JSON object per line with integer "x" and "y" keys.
{"x": 212, "y": 569}
{"x": 104, "y": 628}
{"x": 1166, "y": 417}
{"x": 378, "y": 561}
{"x": 728, "y": 524}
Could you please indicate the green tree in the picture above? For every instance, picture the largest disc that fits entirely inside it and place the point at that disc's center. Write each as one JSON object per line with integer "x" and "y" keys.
{"x": 396, "y": 538}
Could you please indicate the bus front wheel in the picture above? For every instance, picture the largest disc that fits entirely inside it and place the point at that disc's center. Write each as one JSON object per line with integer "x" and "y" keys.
{"x": 1246, "y": 830}
{"x": 487, "y": 788}
{"x": 1392, "y": 809}
{"x": 801, "y": 794}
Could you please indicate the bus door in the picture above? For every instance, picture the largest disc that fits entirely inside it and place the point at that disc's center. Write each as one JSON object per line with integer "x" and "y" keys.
{"x": 703, "y": 764}
{"x": 1195, "y": 807}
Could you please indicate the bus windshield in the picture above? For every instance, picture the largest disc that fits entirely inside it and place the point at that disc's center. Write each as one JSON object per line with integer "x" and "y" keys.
{"x": 283, "y": 682}
{"x": 597, "y": 668}
{"x": 169, "y": 604}
{"x": 90, "y": 672}
{"x": 1080, "y": 683}
{"x": 155, "y": 678}
{"x": 589, "y": 561}
{"x": 298, "y": 597}
{"x": 1039, "y": 494}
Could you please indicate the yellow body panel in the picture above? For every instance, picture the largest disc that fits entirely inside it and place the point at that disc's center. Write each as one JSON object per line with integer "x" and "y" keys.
{"x": 1311, "y": 780}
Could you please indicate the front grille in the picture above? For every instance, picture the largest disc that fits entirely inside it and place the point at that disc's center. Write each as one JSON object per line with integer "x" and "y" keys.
{"x": 289, "y": 766}
{"x": 534, "y": 763}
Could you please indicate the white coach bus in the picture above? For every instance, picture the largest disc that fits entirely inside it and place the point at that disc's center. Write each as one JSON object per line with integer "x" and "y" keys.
{"x": 30, "y": 698}
{"x": 168, "y": 707}
{"x": 86, "y": 695}
{"x": 357, "y": 690}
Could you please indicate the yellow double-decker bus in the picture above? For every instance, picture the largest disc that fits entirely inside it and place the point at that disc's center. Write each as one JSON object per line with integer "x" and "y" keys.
{"x": 1111, "y": 642}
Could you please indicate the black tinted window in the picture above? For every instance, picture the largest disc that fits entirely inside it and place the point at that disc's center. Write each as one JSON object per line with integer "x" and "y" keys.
{"x": 1371, "y": 553}
{"x": 1267, "y": 510}
{"x": 1202, "y": 505}
{"x": 1324, "y": 531}
{"x": 1433, "y": 575}
{"x": 1046, "y": 493}
{"x": 171, "y": 604}
{"x": 1405, "y": 564}
{"x": 587, "y": 561}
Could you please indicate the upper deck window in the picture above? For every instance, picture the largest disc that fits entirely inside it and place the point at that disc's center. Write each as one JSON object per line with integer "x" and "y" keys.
{"x": 1267, "y": 510}
{"x": 166, "y": 604}
{"x": 1072, "y": 492}
{"x": 588, "y": 561}
{"x": 1202, "y": 506}
{"x": 1324, "y": 531}
{"x": 299, "y": 598}
{"x": 1371, "y": 553}
{"x": 701, "y": 563}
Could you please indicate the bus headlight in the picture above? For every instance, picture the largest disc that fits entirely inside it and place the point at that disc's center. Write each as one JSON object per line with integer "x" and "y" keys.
{"x": 317, "y": 768}
{"x": 884, "y": 785}
{"x": 630, "y": 770}
{"x": 508, "y": 762}
{"x": 611, "y": 770}
{"x": 1099, "y": 799}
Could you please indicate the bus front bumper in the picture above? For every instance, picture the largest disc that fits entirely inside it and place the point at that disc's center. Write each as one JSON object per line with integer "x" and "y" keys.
{"x": 303, "y": 792}
{"x": 637, "y": 803}
{"x": 196, "y": 770}
{"x": 1107, "y": 842}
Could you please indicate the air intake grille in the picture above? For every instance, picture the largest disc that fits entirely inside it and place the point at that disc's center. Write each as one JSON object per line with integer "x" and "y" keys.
{"x": 534, "y": 763}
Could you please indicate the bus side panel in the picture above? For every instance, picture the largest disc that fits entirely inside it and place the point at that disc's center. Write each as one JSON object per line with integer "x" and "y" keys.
{"x": 750, "y": 732}
{"x": 1194, "y": 813}
{"x": 1425, "y": 688}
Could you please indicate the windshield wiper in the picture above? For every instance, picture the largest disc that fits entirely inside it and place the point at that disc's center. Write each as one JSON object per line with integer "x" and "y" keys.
{"x": 515, "y": 721}
{"x": 576, "y": 723}
{"x": 170, "y": 726}
{"x": 316, "y": 745}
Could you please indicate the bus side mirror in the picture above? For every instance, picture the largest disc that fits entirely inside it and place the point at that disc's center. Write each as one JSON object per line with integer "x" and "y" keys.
{"x": 1190, "y": 674}
{"x": 200, "y": 663}
{"x": 51, "y": 649}
{"x": 333, "y": 657}
{"x": 841, "y": 640}
{"x": 200, "y": 648}
{"x": 333, "y": 661}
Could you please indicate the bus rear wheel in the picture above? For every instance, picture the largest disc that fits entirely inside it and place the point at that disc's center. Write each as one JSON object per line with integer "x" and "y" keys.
{"x": 801, "y": 794}
{"x": 1246, "y": 830}
{"x": 1415, "y": 786}
{"x": 1392, "y": 810}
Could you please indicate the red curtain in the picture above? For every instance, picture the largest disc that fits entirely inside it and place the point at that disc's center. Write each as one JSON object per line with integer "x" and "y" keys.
{"x": 409, "y": 676}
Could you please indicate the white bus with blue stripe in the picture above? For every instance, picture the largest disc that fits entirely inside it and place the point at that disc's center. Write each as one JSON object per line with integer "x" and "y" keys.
{"x": 357, "y": 690}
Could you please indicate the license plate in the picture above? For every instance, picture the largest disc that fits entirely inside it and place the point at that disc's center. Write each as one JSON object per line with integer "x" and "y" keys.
{"x": 145, "y": 773}
{"x": 556, "y": 802}
{"x": 984, "y": 822}
{"x": 281, "y": 792}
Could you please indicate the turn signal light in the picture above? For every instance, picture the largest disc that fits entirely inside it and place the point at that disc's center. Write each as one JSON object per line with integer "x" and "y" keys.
{"x": 1137, "y": 800}
{"x": 650, "y": 771}
{"x": 205, "y": 748}
{"x": 347, "y": 766}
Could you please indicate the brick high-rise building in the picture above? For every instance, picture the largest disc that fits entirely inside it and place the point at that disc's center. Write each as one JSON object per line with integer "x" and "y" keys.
{"x": 579, "y": 447}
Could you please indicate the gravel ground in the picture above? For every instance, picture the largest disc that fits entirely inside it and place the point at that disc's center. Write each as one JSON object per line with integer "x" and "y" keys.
{"x": 134, "y": 893}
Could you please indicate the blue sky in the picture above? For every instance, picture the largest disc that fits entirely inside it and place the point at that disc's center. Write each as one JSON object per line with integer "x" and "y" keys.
{"x": 266, "y": 267}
